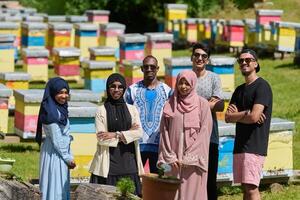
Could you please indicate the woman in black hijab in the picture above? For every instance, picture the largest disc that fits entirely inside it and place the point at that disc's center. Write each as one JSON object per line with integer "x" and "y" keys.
{"x": 118, "y": 131}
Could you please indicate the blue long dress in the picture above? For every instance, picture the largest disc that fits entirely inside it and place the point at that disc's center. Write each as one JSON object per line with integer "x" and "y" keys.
{"x": 55, "y": 154}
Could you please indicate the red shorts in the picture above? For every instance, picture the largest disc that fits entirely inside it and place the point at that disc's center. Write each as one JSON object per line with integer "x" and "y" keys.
{"x": 247, "y": 168}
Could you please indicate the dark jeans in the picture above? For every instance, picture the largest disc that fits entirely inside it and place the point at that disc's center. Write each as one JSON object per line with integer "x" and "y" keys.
{"x": 212, "y": 171}
{"x": 152, "y": 156}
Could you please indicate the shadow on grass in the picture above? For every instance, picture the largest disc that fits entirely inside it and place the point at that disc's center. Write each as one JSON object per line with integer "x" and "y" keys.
{"x": 288, "y": 65}
{"x": 18, "y": 148}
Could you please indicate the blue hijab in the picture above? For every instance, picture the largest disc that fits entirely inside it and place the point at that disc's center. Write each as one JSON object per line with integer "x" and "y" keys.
{"x": 48, "y": 111}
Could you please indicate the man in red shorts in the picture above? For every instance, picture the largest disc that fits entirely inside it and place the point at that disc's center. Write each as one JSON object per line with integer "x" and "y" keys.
{"x": 250, "y": 108}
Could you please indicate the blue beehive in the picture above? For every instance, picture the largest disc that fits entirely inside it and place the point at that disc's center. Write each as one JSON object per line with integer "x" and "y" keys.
{"x": 226, "y": 145}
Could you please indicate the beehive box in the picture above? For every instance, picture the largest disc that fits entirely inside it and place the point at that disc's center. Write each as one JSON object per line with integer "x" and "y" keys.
{"x": 224, "y": 67}
{"x": 15, "y": 80}
{"x": 5, "y": 93}
{"x": 33, "y": 35}
{"x": 66, "y": 62}
{"x": 221, "y": 27}
{"x": 7, "y": 52}
{"x": 103, "y": 53}
{"x": 159, "y": 45}
{"x": 85, "y": 37}
{"x": 98, "y": 16}
{"x": 82, "y": 128}
{"x": 29, "y": 11}
{"x": 174, "y": 11}
{"x": 59, "y": 35}
{"x": 250, "y": 32}
{"x": 132, "y": 46}
{"x": 182, "y": 29}
{"x": 75, "y": 19}
{"x": 264, "y": 16}
{"x": 109, "y": 35}
{"x": 96, "y": 73}
{"x": 132, "y": 71}
{"x": 174, "y": 66}
{"x": 55, "y": 18}
{"x": 35, "y": 63}
{"x": 191, "y": 30}
{"x": 201, "y": 23}
{"x": 33, "y": 18}
{"x": 14, "y": 29}
{"x": 175, "y": 29}
{"x": 236, "y": 33}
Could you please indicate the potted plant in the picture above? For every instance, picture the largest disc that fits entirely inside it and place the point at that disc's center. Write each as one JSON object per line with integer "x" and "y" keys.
{"x": 160, "y": 186}
{"x": 126, "y": 188}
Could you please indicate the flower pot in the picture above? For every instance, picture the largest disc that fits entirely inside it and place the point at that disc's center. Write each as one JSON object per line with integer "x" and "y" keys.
{"x": 6, "y": 164}
{"x": 154, "y": 188}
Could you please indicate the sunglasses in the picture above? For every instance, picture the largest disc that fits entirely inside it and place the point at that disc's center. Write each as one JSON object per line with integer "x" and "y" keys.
{"x": 247, "y": 60}
{"x": 198, "y": 55}
{"x": 114, "y": 87}
{"x": 152, "y": 67}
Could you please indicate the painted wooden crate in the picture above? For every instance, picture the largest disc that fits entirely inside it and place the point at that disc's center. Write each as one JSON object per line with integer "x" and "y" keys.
{"x": 109, "y": 35}
{"x": 35, "y": 63}
{"x": 96, "y": 73}
{"x": 59, "y": 35}
{"x": 250, "y": 32}
{"x": 33, "y": 34}
{"x": 85, "y": 37}
{"x": 98, "y": 16}
{"x": 7, "y": 52}
{"x": 159, "y": 45}
{"x": 5, "y": 93}
{"x": 174, "y": 11}
{"x": 66, "y": 62}
{"x": 174, "y": 66}
{"x": 191, "y": 30}
{"x": 75, "y": 19}
{"x": 82, "y": 128}
{"x": 236, "y": 33}
{"x": 132, "y": 71}
{"x": 13, "y": 28}
{"x": 132, "y": 46}
{"x": 224, "y": 66}
{"x": 103, "y": 53}
{"x": 264, "y": 16}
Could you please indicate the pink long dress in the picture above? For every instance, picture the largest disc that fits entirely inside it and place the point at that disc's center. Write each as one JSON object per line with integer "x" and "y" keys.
{"x": 190, "y": 147}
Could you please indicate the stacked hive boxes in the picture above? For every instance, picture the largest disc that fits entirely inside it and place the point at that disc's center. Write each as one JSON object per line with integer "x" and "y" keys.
{"x": 102, "y": 53}
{"x": 224, "y": 67}
{"x": 159, "y": 45}
{"x": 109, "y": 35}
{"x": 85, "y": 37}
{"x": 96, "y": 73}
{"x": 75, "y": 19}
{"x": 7, "y": 52}
{"x": 66, "y": 62}
{"x": 174, "y": 66}
{"x": 250, "y": 32}
{"x": 59, "y": 35}
{"x": 35, "y": 63}
{"x": 5, "y": 93}
{"x": 33, "y": 35}
{"x": 236, "y": 33}
{"x": 132, "y": 71}
{"x": 14, "y": 29}
{"x": 98, "y": 16}
{"x": 82, "y": 128}
{"x": 191, "y": 30}
{"x": 174, "y": 11}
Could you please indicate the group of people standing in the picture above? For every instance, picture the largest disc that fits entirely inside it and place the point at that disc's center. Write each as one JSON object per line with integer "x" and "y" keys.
{"x": 148, "y": 121}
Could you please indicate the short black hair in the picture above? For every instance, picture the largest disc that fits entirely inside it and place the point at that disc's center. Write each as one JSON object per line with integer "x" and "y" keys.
{"x": 202, "y": 46}
{"x": 150, "y": 57}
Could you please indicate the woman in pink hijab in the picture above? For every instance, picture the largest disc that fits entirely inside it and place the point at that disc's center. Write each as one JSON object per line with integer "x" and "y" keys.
{"x": 185, "y": 134}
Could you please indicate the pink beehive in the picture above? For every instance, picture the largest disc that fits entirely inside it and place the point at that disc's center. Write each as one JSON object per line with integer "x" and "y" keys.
{"x": 266, "y": 16}
{"x": 98, "y": 16}
{"x": 236, "y": 33}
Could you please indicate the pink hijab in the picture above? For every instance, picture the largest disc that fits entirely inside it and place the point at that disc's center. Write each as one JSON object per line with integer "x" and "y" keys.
{"x": 188, "y": 105}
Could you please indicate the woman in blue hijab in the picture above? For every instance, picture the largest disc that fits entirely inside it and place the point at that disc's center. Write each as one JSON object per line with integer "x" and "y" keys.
{"x": 56, "y": 158}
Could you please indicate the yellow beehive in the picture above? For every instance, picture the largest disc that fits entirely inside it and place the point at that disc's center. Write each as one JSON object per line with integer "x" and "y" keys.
{"x": 103, "y": 53}
{"x": 182, "y": 30}
{"x": 201, "y": 29}
{"x": 7, "y": 63}
{"x": 5, "y": 93}
{"x": 75, "y": 19}
{"x": 250, "y": 30}
{"x": 109, "y": 34}
{"x": 227, "y": 81}
{"x": 286, "y": 36}
{"x": 26, "y": 108}
{"x": 266, "y": 35}
{"x": 83, "y": 164}
{"x": 174, "y": 11}
{"x": 59, "y": 35}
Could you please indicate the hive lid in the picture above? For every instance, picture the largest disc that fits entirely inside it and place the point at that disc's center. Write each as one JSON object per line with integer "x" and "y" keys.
{"x": 191, "y": 20}
{"x": 5, "y": 92}
{"x": 34, "y": 25}
{"x": 159, "y": 36}
{"x": 102, "y": 50}
{"x": 132, "y": 38}
{"x": 84, "y": 95}
{"x": 15, "y": 76}
{"x": 112, "y": 25}
{"x": 66, "y": 51}
{"x": 35, "y": 53}
{"x": 176, "y": 6}
{"x": 30, "y": 11}
{"x": 221, "y": 60}
{"x": 226, "y": 129}
{"x": 178, "y": 61}
{"x": 97, "y": 12}
{"x": 82, "y": 109}
{"x": 249, "y": 22}
{"x": 33, "y": 18}
{"x": 288, "y": 24}
{"x": 56, "y": 18}
{"x": 60, "y": 26}
{"x": 86, "y": 26}
{"x": 77, "y": 18}
{"x": 269, "y": 12}
{"x": 15, "y": 18}
{"x": 9, "y": 25}
{"x": 132, "y": 63}
{"x": 235, "y": 22}
{"x": 29, "y": 96}
{"x": 93, "y": 64}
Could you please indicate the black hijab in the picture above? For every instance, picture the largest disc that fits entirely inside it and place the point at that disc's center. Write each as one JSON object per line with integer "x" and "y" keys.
{"x": 48, "y": 111}
{"x": 118, "y": 116}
